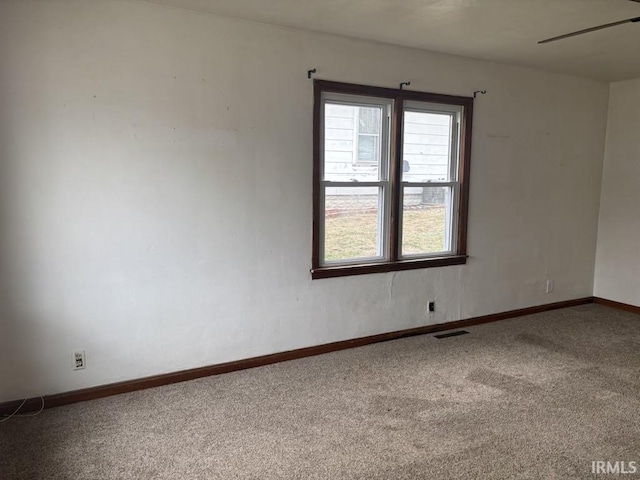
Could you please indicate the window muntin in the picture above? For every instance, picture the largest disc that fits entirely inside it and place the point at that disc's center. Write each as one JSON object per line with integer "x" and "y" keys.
{"x": 391, "y": 182}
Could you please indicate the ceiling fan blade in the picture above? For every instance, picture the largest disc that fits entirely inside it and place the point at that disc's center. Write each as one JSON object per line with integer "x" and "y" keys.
{"x": 592, "y": 29}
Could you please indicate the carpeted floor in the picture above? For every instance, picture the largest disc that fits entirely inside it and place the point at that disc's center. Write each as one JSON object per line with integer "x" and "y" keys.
{"x": 540, "y": 396}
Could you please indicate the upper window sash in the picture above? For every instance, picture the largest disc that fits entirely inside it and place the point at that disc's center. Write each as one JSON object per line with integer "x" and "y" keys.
{"x": 383, "y": 150}
{"x": 455, "y": 113}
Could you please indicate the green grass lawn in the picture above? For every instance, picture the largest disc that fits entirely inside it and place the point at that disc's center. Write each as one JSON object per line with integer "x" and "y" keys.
{"x": 355, "y": 235}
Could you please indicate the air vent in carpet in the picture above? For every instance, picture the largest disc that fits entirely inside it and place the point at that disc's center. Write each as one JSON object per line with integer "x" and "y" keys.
{"x": 452, "y": 334}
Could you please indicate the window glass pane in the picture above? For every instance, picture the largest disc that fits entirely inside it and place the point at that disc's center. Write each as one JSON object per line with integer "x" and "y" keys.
{"x": 426, "y": 220}
{"x": 352, "y": 223}
{"x": 426, "y": 147}
{"x": 370, "y": 120}
{"x": 367, "y": 148}
{"x": 352, "y": 142}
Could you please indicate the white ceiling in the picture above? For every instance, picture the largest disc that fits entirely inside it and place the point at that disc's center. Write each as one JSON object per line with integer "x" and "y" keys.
{"x": 505, "y": 31}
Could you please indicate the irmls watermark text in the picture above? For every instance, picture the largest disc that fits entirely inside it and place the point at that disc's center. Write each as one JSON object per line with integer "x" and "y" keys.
{"x": 615, "y": 468}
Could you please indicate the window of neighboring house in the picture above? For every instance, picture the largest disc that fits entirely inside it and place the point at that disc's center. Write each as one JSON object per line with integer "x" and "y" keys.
{"x": 368, "y": 123}
{"x": 391, "y": 179}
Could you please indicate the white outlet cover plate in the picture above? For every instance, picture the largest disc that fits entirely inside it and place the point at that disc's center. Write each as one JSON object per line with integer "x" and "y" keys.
{"x": 82, "y": 355}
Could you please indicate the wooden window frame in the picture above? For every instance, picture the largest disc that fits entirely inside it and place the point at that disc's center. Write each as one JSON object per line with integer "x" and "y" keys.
{"x": 394, "y": 263}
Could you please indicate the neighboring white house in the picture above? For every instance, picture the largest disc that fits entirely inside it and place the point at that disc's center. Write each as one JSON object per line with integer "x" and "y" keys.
{"x": 353, "y": 143}
{"x": 354, "y": 139}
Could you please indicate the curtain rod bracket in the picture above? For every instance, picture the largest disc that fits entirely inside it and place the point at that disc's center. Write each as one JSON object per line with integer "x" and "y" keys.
{"x": 481, "y": 92}
{"x": 403, "y": 84}
{"x": 311, "y": 72}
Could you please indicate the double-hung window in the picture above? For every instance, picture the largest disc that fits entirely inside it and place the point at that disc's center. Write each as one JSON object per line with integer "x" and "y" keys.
{"x": 391, "y": 179}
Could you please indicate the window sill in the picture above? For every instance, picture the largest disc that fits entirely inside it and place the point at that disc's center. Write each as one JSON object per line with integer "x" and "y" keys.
{"x": 343, "y": 271}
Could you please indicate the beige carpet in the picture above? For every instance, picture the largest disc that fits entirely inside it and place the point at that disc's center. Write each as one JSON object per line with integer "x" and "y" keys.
{"x": 536, "y": 397}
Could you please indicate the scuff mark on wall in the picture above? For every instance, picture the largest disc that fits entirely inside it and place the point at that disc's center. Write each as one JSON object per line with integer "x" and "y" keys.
{"x": 391, "y": 284}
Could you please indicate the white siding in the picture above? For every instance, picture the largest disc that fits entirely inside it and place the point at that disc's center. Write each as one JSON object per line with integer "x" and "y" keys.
{"x": 426, "y": 147}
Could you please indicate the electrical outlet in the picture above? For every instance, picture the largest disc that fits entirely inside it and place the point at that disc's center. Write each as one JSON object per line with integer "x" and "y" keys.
{"x": 79, "y": 360}
{"x": 432, "y": 307}
{"x": 550, "y": 286}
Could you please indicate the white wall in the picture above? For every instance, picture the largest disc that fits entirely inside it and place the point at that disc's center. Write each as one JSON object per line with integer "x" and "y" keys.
{"x": 618, "y": 256}
{"x": 155, "y": 201}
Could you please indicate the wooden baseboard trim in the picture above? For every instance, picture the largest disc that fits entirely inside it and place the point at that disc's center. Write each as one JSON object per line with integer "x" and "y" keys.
{"x": 93, "y": 393}
{"x": 617, "y": 305}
